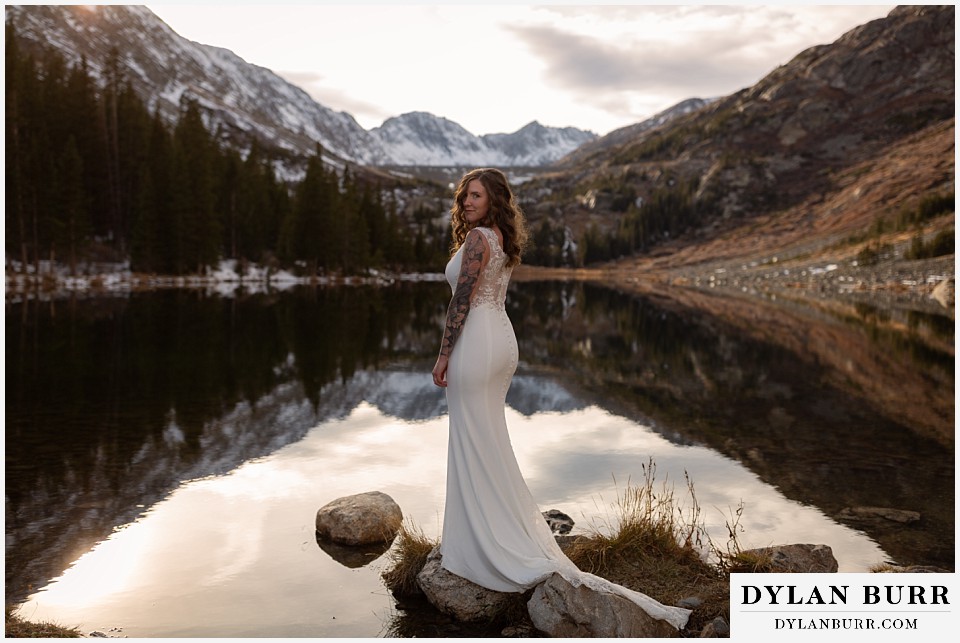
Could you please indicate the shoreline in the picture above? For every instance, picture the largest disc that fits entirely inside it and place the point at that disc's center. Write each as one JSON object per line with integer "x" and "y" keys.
{"x": 891, "y": 284}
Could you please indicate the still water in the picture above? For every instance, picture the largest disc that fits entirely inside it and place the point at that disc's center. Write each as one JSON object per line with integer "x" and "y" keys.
{"x": 166, "y": 452}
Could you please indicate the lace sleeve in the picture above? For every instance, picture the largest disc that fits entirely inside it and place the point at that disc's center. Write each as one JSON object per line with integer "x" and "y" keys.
{"x": 475, "y": 254}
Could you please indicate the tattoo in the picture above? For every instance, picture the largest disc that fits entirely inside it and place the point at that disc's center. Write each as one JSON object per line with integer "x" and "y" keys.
{"x": 473, "y": 261}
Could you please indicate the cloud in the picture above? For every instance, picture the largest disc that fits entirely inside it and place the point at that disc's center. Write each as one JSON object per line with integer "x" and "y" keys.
{"x": 368, "y": 114}
{"x": 641, "y": 59}
{"x": 587, "y": 65}
{"x": 633, "y": 82}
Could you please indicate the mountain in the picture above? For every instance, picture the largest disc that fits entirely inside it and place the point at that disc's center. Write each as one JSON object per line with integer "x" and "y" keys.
{"x": 419, "y": 138}
{"x": 534, "y": 144}
{"x": 630, "y": 132}
{"x": 247, "y": 101}
{"x": 165, "y": 69}
{"x": 842, "y": 139}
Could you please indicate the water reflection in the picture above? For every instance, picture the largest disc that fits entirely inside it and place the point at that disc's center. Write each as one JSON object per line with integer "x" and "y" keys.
{"x": 111, "y": 403}
{"x": 353, "y": 556}
{"x": 834, "y": 413}
{"x": 195, "y": 437}
{"x": 235, "y": 555}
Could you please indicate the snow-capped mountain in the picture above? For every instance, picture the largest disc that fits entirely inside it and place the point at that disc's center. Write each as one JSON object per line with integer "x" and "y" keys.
{"x": 535, "y": 144}
{"x": 419, "y": 138}
{"x": 165, "y": 68}
{"x": 247, "y": 101}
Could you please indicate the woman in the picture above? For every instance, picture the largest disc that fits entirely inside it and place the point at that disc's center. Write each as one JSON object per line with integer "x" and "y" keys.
{"x": 493, "y": 532}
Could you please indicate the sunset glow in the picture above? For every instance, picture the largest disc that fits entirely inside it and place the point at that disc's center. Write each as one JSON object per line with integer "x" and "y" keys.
{"x": 587, "y": 66}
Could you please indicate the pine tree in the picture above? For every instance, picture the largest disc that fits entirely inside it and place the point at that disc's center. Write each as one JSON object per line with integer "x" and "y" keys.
{"x": 228, "y": 197}
{"x": 355, "y": 247}
{"x": 133, "y": 151}
{"x": 78, "y": 115}
{"x": 375, "y": 218}
{"x": 196, "y": 229}
{"x": 72, "y": 221}
{"x": 110, "y": 129}
{"x": 154, "y": 232}
{"x": 313, "y": 231}
{"x": 17, "y": 75}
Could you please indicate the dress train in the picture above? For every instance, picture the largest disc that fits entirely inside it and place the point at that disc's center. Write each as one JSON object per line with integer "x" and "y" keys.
{"x": 493, "y": 531}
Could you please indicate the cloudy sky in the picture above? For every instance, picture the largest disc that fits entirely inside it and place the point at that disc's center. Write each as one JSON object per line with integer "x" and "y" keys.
{"x": 497, "y": 68}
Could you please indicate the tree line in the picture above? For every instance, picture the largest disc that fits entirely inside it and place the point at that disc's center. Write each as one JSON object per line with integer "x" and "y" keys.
{"x": 667, "y": 212}
{"x": 92, "y": 174}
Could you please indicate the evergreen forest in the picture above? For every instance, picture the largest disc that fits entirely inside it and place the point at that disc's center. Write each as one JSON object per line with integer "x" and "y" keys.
{"x": 93, "y": 175}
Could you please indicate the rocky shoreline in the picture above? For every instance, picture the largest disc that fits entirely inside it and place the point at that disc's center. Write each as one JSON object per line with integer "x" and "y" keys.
{"x": 556, "y": 607}
{"x": 891, "y": 284}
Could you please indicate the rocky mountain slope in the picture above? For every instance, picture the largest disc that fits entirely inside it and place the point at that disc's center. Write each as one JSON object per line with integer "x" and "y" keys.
{"x": 248, "y": 101}
{"x": 630, "y": 132}
{"x": 842, "y": 137}
{"x": 165, "y": 69}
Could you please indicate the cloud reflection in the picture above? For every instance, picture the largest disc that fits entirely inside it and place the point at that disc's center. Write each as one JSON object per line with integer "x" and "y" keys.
{"x": 578, "y": 462}
{"x": 234, "y": 555}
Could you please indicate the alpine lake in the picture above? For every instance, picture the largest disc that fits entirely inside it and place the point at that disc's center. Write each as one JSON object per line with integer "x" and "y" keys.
{"x": 167, "y": 451}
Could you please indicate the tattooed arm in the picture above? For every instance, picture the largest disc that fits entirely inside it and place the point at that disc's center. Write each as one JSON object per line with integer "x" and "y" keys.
{"x": 475, "y": 256}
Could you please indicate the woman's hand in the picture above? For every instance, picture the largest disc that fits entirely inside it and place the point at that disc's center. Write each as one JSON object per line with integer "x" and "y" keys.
{"x": 440, "y": 371}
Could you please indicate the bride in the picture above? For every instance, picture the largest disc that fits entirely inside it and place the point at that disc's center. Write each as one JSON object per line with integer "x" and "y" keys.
{"x": 493, "y": 532}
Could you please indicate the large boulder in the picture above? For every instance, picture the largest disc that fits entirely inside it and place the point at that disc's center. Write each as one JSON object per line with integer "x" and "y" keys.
{"x": 798, "y": 558}
{"x": 458, "y": 597}
{"x": 361, "y": 519}
{"x": 559, "y": 609}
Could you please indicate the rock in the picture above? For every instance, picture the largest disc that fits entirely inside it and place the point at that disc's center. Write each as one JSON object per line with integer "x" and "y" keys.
{"x": 458, "y": 597}
{"x": 943, "y": 293}
{"x": 715, "y": 629}
{"x": 521, "y": 631}
{"x": 560, "y": 523}
{"x": 690, "y": 602}
{"x": 798, "y": 558}
{"x": 559, "y": 609}
{"x": 361, "y": 519}
{"x": 902, "y": 516}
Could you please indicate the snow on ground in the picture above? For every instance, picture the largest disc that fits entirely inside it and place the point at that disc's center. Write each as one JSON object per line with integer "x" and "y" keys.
{"x": 226, "y": 279}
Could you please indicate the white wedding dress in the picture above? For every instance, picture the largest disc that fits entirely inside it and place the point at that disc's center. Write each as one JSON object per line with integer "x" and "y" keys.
{"x": 493, "y": 532}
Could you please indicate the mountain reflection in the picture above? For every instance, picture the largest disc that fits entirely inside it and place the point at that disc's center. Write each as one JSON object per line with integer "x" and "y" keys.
{"x": 112, "y": 403}
{"x": 836, "y": 410}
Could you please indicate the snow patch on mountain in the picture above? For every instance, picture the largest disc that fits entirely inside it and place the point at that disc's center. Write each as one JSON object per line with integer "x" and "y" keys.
{"x": 420, "y": 138}
{"x": 246, "y": 101}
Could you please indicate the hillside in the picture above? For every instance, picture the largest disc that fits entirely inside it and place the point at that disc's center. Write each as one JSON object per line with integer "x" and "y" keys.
{"x": 827, "y": 155}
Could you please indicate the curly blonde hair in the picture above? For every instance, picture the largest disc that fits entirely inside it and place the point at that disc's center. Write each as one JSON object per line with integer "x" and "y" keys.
{"x": 504, "y": 212}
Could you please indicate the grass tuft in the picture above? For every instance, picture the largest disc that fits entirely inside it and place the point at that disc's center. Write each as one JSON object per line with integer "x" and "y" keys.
{"x": 653, "y": 544}
{"x": 647, "y": 523}
{"x": 16, "y": 627}
{"x": 407, "y": 558}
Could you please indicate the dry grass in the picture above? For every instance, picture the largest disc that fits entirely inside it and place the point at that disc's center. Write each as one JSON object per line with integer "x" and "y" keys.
{"x": 16, "y": 627}
{"x": 648, "y": 523}
{"x": 407, "y": 558}
{"x": 659, "y": 546}
{"x": 750, "y": 563}
{"x": 653, "y": 544}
